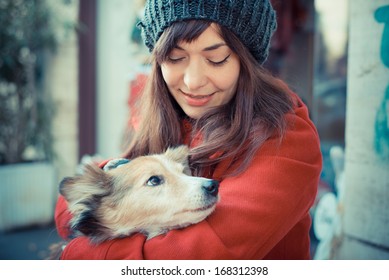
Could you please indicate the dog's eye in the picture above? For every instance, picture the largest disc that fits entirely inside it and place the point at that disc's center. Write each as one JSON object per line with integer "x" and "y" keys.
{"x": 155, "y": 181}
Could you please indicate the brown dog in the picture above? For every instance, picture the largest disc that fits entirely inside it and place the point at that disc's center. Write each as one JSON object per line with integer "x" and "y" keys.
{"x": 149, "y": 194}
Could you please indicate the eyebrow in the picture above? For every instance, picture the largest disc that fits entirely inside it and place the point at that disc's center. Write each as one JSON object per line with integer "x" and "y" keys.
{"x": 210, "y": 48}
{"x": 214, "y": 47}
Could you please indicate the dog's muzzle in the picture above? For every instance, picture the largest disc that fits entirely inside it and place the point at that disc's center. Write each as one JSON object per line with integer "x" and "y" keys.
{"x": 211, "y": 187}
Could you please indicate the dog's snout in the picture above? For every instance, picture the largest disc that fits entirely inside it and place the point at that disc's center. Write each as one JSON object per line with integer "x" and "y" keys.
{"x": 211, "y": 187}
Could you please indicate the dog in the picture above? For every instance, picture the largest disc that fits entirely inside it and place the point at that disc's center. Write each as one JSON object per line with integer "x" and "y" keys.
{"x": 149, "y": 194}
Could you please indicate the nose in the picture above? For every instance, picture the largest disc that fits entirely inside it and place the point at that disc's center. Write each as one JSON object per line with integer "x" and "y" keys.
{"x": 211, "y": 187}
{"x": 194, "y": 76}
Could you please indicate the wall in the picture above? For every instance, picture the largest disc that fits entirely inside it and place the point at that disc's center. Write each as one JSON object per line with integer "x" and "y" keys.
{"x": 115, "y": 66}
{"x": 365, "y": 209}
{"x": 115, "y": 63}
{"x": 62, "y": 83}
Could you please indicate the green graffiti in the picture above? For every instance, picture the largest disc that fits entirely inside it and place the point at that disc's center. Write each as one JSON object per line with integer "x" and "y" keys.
{"x": 382, "y": 121}
{"x": 382, "y": 15}
{"x": 382, "y": 128}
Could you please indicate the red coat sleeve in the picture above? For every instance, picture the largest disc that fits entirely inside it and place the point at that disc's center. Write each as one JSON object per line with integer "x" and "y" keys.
{"x": 262, "y": 212}
{"x": 62, "y": 217}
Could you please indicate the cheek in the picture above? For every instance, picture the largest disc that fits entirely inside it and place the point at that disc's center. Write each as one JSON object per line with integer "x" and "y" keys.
{"x": 171, "y": 77}
{"x": 226, "y": 81}
{"x": 227, "y": 78}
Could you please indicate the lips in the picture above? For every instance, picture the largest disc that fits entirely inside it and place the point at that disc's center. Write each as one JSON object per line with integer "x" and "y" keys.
{"x": 197, "y": 100}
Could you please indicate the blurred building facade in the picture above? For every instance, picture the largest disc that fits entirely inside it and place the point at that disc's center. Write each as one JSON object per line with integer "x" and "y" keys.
{"x": 318, "y": 49}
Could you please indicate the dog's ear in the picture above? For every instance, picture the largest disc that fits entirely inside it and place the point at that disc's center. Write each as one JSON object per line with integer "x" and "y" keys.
{"x": 92, "y": 182}
{"x": 114, "y": 163}
{"x": 179, "y": 154}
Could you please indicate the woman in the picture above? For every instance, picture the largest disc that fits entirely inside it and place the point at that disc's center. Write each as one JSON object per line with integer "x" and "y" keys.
{"x": 207, "y": 89}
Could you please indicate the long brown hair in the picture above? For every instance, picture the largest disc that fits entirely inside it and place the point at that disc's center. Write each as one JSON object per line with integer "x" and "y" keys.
{"x": 233, "y": 131}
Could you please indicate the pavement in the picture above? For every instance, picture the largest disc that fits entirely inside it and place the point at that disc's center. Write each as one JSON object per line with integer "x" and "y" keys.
{"x": 30, "y": 243}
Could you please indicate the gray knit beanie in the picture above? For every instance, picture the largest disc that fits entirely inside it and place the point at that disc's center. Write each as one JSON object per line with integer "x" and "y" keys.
{"x": 253, "y": 21}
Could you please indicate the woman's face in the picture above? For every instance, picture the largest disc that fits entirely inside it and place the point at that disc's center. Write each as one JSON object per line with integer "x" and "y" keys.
{"x": 202, "y": 74}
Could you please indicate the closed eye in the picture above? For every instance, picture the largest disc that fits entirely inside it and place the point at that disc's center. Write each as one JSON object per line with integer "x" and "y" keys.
{"x": 174, "y": 60}
{"x": 219, "y": 63}
{"x": 155, "y": 180}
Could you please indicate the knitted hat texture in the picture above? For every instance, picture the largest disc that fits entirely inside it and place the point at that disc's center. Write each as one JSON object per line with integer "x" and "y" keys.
{"x": 253, "y": 21}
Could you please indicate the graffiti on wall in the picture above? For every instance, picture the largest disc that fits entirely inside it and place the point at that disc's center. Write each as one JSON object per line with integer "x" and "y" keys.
{"x": 382, "y": 118}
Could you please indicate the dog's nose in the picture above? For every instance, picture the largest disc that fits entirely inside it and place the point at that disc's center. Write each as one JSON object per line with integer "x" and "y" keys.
{"x": 211, "y": 187}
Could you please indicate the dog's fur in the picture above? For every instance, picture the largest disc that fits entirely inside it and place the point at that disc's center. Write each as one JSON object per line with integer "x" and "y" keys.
{"x": 150, "y": 194}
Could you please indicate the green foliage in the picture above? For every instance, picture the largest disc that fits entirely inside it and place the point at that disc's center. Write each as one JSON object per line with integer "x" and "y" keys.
{"x": 26, "y": 110}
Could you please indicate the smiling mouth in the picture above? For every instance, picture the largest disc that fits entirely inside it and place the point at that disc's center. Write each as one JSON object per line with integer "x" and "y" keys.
{"x": 197, "y": 96}
{"x": 197, "y": 100}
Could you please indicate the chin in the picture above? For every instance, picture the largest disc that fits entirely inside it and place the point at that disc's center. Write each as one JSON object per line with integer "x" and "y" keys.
{"x": 195, "y": 114}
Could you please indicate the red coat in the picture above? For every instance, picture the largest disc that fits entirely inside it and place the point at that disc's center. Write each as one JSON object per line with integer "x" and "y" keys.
{"x": 263, "y": 213}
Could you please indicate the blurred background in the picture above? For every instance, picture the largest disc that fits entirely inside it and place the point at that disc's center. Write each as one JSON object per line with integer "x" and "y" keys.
{"x": 70, "y": 71}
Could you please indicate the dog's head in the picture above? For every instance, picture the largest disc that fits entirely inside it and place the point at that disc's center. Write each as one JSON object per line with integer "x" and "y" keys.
{"x": 149, "y": 194}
